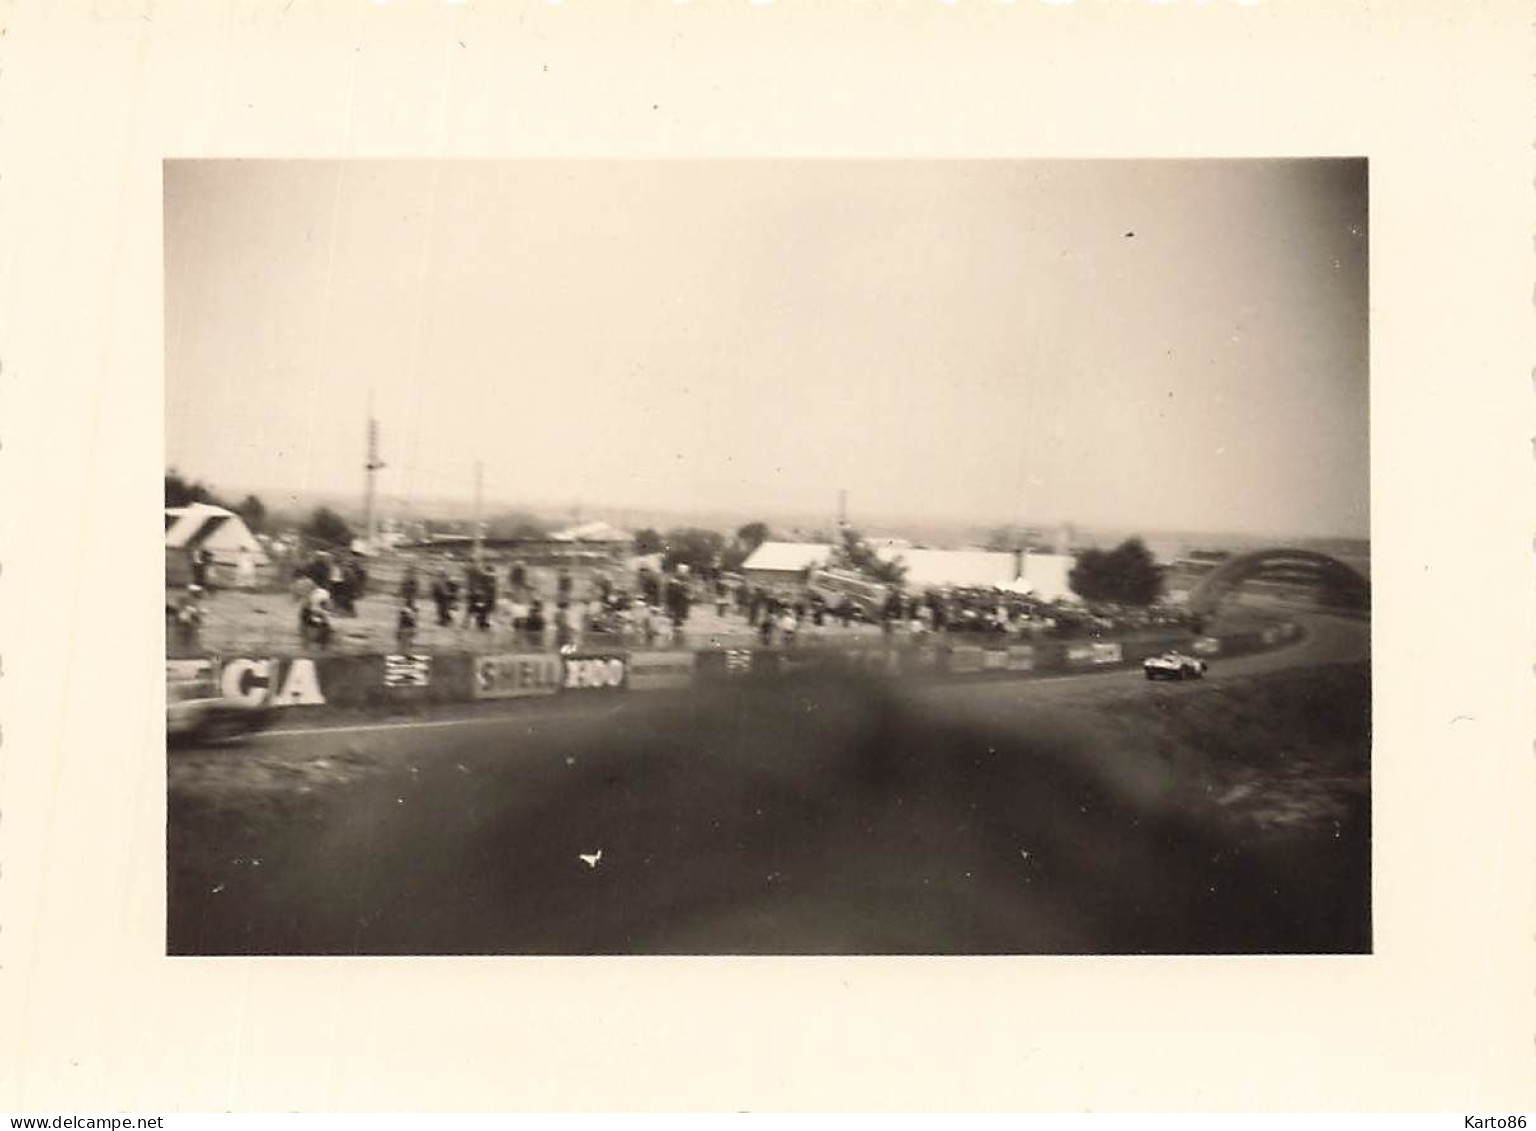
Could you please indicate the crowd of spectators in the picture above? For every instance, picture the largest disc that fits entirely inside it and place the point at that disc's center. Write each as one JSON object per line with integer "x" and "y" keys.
{"x": 651, "y": 609}
{"x": 999, "y": 612}
{"x": 780, "y": 616}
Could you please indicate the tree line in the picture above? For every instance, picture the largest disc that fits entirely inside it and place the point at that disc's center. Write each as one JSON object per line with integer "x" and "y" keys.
{"x": 323, "y": 526}
{"x": 1125, "y": 575}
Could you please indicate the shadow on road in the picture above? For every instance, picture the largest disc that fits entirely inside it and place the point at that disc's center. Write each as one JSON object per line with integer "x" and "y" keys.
{"x": 803, "y": 818}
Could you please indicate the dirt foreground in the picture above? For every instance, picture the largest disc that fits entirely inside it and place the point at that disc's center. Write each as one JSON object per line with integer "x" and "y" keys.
{"x": 799, "y": 818}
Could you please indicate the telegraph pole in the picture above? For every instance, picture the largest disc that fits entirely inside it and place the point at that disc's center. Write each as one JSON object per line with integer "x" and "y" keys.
{"x": 373, "y": 466}
{"x": 478, "y": 529}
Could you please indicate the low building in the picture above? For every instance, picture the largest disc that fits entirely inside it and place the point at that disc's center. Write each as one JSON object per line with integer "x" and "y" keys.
{"x": 777, "y": 564}
{"x": 1045, "y": 575}
{"x": 597, "y": 535}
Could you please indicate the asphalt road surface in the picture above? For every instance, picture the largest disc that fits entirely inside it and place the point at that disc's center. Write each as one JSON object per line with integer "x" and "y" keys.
{"x": 807, "y": 817}
{"x": 1327, "y": 640}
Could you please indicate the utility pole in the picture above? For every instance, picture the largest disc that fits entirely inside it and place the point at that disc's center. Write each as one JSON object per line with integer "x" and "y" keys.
{"x": 373, "y": 466}
{"x": 479, "y": 531}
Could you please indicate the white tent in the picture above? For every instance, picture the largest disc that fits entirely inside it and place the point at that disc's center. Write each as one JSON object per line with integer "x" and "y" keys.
{"x": 938, "y": 569}
{"x": 1047, "y": 575}
{"x": 221, "y": 532}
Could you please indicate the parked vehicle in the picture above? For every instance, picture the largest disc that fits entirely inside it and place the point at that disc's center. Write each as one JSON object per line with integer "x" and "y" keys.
{"x": 834, "y": 586}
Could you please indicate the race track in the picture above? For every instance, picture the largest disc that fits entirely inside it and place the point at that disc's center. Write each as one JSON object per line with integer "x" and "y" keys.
{"x": 1327, "y": 640}
{"x": 802, "y": 818}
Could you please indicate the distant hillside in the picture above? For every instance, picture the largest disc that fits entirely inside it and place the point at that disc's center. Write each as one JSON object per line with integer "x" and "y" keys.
{"x": 786, "y": 524}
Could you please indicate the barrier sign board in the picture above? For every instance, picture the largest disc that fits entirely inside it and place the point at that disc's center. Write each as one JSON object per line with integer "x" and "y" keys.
{"x": 182, "y": 671}
{"x": 922, "y": 660}
{"x": 1081, "y": 654}
{"x": 875, "y": 661}
{"x": 1021, "y": 658}
{"x": 799, "y": 660}
{"x": 995, "y": 660}
{"x": 595, "y": 672}
{"x": 407, "y": 671}
{"x": 513, "y": 676}
{"x": 280, "y": 683}
{"x": 1206, "y": 646}
{"x": 965, "y": 658}
{"x": 657, "y": 671}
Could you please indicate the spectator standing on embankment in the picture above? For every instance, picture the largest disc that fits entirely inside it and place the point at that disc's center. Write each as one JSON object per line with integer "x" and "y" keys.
{"x": 189, "y": 617}
{"x": 533, "y": 624}
{"x": 339, "y": 583}
{"x": 202, "y": 571}
{"x": 505, "y": 616}
{"x": 663, "y": 634}
{"x": 442, "y": 597}
{"x": 678, "y": 603}
{"x": 405, "y": 626}
{"x": 315, "y": 617}
{"x": 302, "y": 585}
{"x": 562, "y": 626}
{"x": 482, "y": 598}
{"x": 517, "y": 613}
{"x": 245, "y": 569}
{"x": 408, "y": 586}
{"x": 845, "y": 612}
{"x": 789, "y": 625}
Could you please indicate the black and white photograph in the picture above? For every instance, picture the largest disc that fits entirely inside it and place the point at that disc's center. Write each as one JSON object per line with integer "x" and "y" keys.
{"x": 758, "y": 556}
{"x": 767, "y": 557}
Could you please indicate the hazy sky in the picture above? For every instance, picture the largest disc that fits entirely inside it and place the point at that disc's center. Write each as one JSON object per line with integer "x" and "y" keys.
{"x": 1153, "y": 345}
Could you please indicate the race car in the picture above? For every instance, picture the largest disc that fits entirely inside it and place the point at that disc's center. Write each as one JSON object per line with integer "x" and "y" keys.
{"x": 1173, "y": 665}
{"x": 197, "y": 711}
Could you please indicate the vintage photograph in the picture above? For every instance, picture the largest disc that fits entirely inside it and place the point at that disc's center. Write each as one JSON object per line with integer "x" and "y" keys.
{"x": 767, "y": 557}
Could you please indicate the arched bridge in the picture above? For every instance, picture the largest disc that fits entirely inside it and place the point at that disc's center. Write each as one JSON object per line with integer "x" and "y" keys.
{"x": 1338, "y": 585}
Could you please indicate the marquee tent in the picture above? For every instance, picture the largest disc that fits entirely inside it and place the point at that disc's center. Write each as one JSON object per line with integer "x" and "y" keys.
{"x": 202, "y": 526}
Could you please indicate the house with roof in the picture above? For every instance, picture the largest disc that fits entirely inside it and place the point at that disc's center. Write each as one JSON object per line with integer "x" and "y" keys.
{"x": 777, "y": 564}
